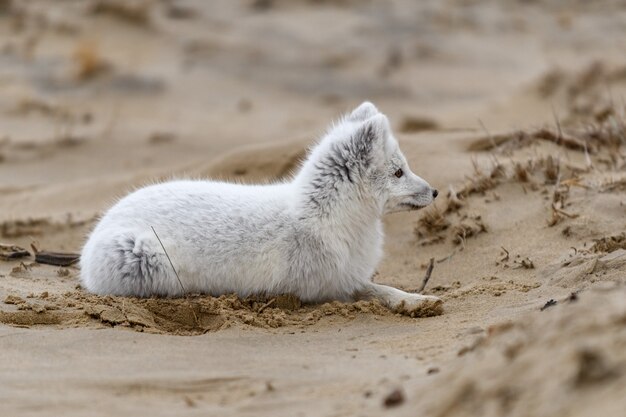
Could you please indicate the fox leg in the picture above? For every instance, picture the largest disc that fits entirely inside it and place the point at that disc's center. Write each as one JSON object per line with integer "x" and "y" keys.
{"x": 410, "y": 304}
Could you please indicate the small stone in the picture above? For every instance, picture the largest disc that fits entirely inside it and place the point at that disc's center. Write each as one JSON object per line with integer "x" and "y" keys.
{"x": 394, "y": 398}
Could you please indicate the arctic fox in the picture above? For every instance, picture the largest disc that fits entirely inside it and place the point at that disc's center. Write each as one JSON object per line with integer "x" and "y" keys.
{"x": 318, "y": 236}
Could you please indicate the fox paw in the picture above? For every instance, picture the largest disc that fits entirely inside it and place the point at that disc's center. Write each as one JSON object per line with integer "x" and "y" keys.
{"x": 420, "y": 306}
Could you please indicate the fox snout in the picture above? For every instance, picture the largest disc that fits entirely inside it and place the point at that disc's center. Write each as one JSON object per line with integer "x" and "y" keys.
{"x": 425, "y": 190}
{"x": 427, "y": 196}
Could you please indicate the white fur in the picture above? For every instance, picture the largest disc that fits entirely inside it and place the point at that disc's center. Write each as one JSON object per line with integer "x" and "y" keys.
{"x": 318, "y": 236}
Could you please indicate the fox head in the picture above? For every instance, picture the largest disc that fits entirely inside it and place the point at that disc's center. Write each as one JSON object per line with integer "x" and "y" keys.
{"x": 359, "y": 158}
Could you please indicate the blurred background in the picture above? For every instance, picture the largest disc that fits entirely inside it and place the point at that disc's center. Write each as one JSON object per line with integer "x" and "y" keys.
{"x": 97, "y": 96}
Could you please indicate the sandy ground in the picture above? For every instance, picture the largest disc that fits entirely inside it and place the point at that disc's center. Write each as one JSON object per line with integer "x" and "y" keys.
{"x": 513, "y": 109}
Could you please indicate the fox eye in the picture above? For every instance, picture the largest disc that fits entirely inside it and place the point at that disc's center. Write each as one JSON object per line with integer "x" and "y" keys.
{"x": 399, "y": 173}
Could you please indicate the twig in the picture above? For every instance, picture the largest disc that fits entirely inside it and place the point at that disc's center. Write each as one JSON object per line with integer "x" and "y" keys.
{"x": 168, "y": 258}
{"x": 447, "y": 257}
{"x": 56, "y": 258}
{"x": 506, "y": 257}
{"x": 564, "y": 213}
{"x": 266, "y": 305}
{"x": 429, "y": 270}
{"x": 34, "y": 247}
{"x": 176, "y": 273}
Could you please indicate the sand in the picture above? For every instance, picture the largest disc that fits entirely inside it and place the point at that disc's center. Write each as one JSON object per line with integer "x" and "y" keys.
{"x": 513, "y": 110}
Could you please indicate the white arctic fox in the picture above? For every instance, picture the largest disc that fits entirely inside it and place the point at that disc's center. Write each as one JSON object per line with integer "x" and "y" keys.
{"x": 318, "y": 236}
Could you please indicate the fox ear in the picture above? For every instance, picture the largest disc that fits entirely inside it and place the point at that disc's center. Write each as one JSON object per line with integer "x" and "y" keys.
{"x": 373, "y": 129}
{"x": 363, "y": 112}
{"x": 370, "y": 136}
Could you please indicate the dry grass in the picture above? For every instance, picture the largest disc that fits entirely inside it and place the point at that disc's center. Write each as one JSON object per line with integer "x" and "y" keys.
{"x": 431, "y": 222}
{"x": 479, "y": 183}
{"x": 608, "y": 130}
{"x": 453, "y": 203}
{"x": 471, "y": 226}
{"x": 560, "y": 195}
{"x": 601, "y": 142}
{"x": 521, "y": 172}
{"x": 552, "y": 169}
{"x": 609, "y": 244}
{"x": 497, "y": 170}
{"x": 610, "y": 133}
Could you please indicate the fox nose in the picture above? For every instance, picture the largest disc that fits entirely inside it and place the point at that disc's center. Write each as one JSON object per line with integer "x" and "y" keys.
{"x": 435, "y": 193}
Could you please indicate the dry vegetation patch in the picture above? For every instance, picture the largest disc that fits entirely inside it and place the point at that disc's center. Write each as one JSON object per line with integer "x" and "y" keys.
{"x": 609, "y": 244}
{"x": 554, "y": 175}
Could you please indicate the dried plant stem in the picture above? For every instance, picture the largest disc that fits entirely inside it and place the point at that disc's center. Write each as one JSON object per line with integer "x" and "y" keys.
{"x": 168, "y": 258}
{"x": 266, "y": 305}
{"x": 564, "y": 213}
{"x": 506, "y": 256}
{"x": 176, "y": 273}
{"x": 429, "y": 271}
